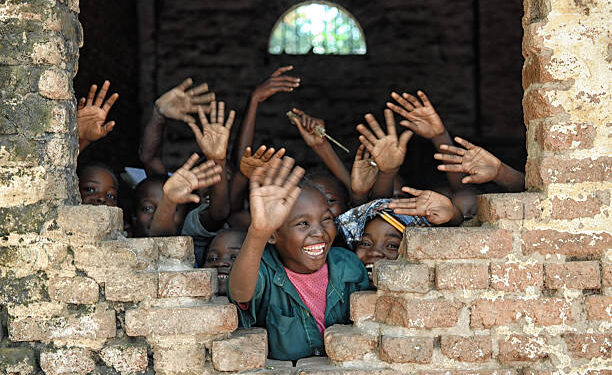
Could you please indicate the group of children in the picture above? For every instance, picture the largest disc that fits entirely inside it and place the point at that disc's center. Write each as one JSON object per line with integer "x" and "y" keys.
{"x": 289, "y": 246}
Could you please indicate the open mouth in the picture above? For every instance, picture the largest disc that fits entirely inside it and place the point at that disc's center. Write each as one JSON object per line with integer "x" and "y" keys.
{"x": 316, "y": 250}
{"x": 222, "y": 276}
{"x": 370, "y": 269}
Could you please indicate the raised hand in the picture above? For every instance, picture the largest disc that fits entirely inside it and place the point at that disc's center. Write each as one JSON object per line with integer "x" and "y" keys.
{"x": 179, "y": 187}
{"x": 421, "y": 118}
{"x": 306, "y": 125}
{"x": 363, "y": 174}
{"x": 274, "y": 190}
{"x": 437, "y": 208}
{"x": 91, "y": 115}
{"x": 180, "y": 101}
{"x": 214, "y": 135}
{"x": 481, "y": 165}
{"x": 276, "y": 83}
{"x": 387, "y": 150}
{"x": 248, "y": 162}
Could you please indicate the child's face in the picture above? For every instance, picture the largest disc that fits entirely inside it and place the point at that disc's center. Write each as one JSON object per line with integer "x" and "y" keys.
{"x": 98, "y": 187}
{"x": 148, "y": 197}
{"x": 306, "y": 237}
{"x": 334, "y": 194}
{"x": 380, "y": 240}
{"x": 221, "y": 254}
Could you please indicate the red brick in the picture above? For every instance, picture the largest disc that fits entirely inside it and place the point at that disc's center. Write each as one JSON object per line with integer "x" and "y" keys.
{"x": 606, "y": 275}
{"x": 572, "y": 275}
{"x": 542, "y": 311}
{"x": 245, "y": 349}
{"x": 599, "y": 307}
{"x": 550, "y": 241}
{"x": 559, "y": 137}
{"x": 462, "y": 276}
{"x": 588, "y": 345}
{"x": 494, "y": 207}
{"x": 537, "y": 105}
{"x": 572, "y": 209}
{"x": 347, "y": 343}
{"x": 67, "y": 361}
{"x": 413, "y": 313}
{"x": 363, "y": 305}
{"x": 521, "y": 348}
{"x": 548, "y": 170}
{"x": 193, "y": 283}
{"x": 399, "y": 276}
{"x": 211, "y": 319}
{"x": 456, "y": 243}
{"x": 77, "y": 290}
{"x": 406, "y": 349}
{"x": 516, "y": 277}
{"x": 535, "y": 69}
{"x": 467, "y": 349}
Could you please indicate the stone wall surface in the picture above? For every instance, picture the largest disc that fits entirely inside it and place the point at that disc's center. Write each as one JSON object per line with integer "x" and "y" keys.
{"x": 527, "y": 292}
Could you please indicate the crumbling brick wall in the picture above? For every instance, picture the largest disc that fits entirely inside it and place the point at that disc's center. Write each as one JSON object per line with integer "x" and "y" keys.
{"x": 527, "y": 292}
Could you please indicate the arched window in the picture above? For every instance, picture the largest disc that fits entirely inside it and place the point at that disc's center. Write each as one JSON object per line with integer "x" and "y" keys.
{"x": 320, "y": 26}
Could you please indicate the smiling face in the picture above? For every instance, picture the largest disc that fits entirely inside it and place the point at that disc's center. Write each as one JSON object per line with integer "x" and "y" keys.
{"x": 334, "y": 193}
{"x": 380, "y": 240}
{"x": 98, "y": 187}
{"x": 306, "y": 237}
{"x": 221, "y": 254}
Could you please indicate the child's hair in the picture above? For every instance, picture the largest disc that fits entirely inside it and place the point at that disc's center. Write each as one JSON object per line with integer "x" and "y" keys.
{"x": 81, "y": 168}
{"x": 322, "y": 173}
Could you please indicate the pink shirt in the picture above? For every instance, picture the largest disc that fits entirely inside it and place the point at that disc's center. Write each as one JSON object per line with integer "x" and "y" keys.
{"x": 312, "y": 288}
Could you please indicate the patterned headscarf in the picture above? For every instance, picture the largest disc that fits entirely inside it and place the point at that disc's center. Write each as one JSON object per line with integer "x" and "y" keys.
{"x": 352, "y": 223}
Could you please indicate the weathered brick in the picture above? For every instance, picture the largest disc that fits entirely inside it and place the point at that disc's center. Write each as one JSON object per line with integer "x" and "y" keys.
{"x": 406, "y": 349}
{"x": 67, "y": 361}
{"x": 346, "y": 343}
{"x": 537, "y": 104}
{"x": 179, "y": 354}
{"x": 18, "y": 361}
{"x": 599, "y": 307}
{"x": 26, "y": 289}
{"x": 77, "y": 289}
{"x": 536, "y": 70}
{"x": 125, "y": 356}
{"x": 548, "y": 170}
{"x": 246, "y": 349}
{"x": 521, "y": 348}
{"x": 131, "y": 287}
{"x": 399, "y": 276}
{"x": 413, "y": 313}
{"x": 606, "y": 275}
{"x": 542, "y": 311}
{"x": 572, "y": 275}
{"x": 363, "y": 305}
{"x": 548, "y": 241}
{"x": 516, "y": 277}
{"x": 588, "y": 345}
{"x": 178, "y": 248}
{"x": 451, "y": 276}
{"x": 568, "y": 208}
{"x": 485, "y": 371}
{"x": 196, "y": 283}
{"x": 467, "y": 349}
{"x": 455, "y": 243}
{"x": 211, "y": 319}
{"x": 89, "y": 223}
{"x": 494, "y": 207}
{"x": 559, "y": 137}
{"x": 55, "y": 84}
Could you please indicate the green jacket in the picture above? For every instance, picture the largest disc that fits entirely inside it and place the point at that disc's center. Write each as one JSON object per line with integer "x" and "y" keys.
{"x": 276, "y": 305}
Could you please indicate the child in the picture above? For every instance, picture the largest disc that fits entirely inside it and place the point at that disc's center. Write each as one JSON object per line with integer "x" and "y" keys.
{"x": 332, "y": 188}
{"x": 221, "y": 254}
{"x": 98, "y": 185}
{"x": 287, "y": 277}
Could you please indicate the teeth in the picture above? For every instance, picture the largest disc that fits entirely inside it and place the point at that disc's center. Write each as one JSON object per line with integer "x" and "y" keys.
{"x": 315, "y": 250}
{"x": 222, "y": 276}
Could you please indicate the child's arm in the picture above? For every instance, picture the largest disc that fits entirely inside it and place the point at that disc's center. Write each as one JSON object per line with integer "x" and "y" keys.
{"x": 437, "y": 208}
{"x": 387, "y": 150}
{"x": 306, "y": 125}
{"x": 480, "y": 165}
{"x": 363, "y": 176}
{"x": 176, "y": 104}
{"x": 423, "y": 120}
{"x": 178, "y": 190}
{"x": 273, "y": 191}
{"x": 212, "y": 140}
{"x": 91, "y": 115}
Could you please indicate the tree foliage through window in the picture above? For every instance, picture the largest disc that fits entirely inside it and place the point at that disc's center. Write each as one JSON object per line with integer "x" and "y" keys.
{"x": 317, "y": 26}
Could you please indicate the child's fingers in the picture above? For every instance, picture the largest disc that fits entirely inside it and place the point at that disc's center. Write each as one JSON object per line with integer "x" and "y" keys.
{"x": 193, "y": 198}
{"x": 450, "y": 168}
{"x": 230, "y": 120}
{"x": 268, "y": 155}
{"x": 374, "y": 125}
{"x": 405, "y": 137}
{"x": 270, "y": 171}
{"x": 199, "y": 89}
{"x": 424, "y": 98}
{"x": 247, "y": 152}
{"x": 108, "y": 127}
{"x": 410, "y": 125}
{"x": 366, "y": 133}
{"x": 191, "y": 161}
{"x": 368, "y": 145}
{"x": 468, "y": 180}
{"x": 403, "y": 102}
{"x": 203, "y": 99}
{"x": 412, "y": 191}
{"x": 390, "y": 122}
{"x": 202, "y": 115}
{"x": 260, "y": 151}
{"x": 453, "y": 150}
{"x": 91, "y": 94}
{"x": 204, "y": 168}
{"x": 298, "y": 112}
{"x": 196, "y": 130}
{"x": 281, "y": 70}
{"x": 412, "y": 99}
{"x": 185, "y": 84}
{"x": 102, "y": 94}
{"x": 294, "y": 179}
{"x": 257, "y": 177}
{"x": 81, "y": 103}
{"x": 220, "y": 113}
{"x": 359, "y": 154}
{"x": 448, "y": 158}
{"x": 213, "y": 111}
{"x": 280, "y": 153}
{"x": 109, "y": 102}
{"x": 397, "y": 109}
{"x": 464, "y": 143}
{"x": 286, "y": 80}
{"x": 284, "y": 171}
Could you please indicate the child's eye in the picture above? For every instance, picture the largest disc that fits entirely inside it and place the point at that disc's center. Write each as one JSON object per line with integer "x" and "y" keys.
{"x": 327, "y": 218}
{"x": 233, "y": 257}
{"x": 393, "y": 246}
{"x": 111, "y": 196}
{"x": 364, "y": 243}
{"x": 211, "y": 260}
{"x": 89, "y": 189}
{"x": 148, "y": 209}
{"x": 302, "y": 223}
{"x": 331, "y": 201}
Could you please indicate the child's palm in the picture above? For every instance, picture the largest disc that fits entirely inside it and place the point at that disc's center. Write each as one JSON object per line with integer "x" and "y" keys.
{"x": 363, "y": 174}
{"x": 481, "y": 165}
{"x": 214, "y": 140}
{"x": 179, "y": 186}
{"x": 437, "y": 208}
{"x": 248, "y": 162}
{"x": 421, "y": 118}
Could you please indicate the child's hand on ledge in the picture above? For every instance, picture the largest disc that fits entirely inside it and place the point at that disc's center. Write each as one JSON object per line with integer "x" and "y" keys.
{"x": 180, "y": 101}
{"x": 276, "y": 83}
{"x": 248, "y": 162}
{"x": 214, "y": 135}
{"x": 179, "y": 187}
{"x": 274, "y": 190}
{"x": 481, "y": 165}
{"x": 437, "y": 208}
{"x": 306, "y": 125}
{"x": 387, "y": 150}
{"x": 420, "y": 118}
{"x": 91, "y": 115}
